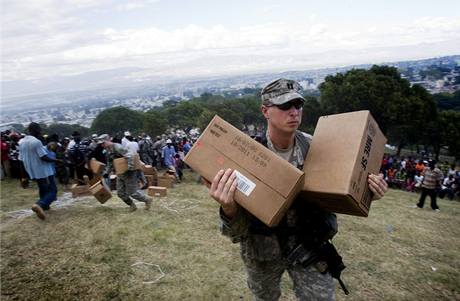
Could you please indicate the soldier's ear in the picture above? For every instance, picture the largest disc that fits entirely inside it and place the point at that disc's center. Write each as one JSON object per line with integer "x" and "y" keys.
{"x": 264, "y": 110}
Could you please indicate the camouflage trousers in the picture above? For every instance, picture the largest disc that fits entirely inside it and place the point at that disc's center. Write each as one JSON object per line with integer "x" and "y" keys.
{"x": 264, "y": 279}
{"x": 128, "y": 188}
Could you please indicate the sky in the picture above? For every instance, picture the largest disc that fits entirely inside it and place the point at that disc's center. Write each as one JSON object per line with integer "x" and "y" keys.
{"x": 45, "y": 39}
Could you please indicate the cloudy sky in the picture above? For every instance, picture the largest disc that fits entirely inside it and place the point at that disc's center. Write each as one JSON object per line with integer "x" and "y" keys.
{"x": 49, "y": 38}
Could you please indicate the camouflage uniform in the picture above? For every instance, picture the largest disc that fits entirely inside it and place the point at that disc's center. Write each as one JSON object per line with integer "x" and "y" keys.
{"x": 264, "y": 255}
{"x": 127, "y": 185}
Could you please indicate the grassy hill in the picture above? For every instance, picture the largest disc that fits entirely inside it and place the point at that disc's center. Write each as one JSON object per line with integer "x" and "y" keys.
{"x": 88, "y": 251}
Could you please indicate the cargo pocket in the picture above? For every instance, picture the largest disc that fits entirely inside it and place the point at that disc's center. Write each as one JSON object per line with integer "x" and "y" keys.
{"x": 261, "y": 247}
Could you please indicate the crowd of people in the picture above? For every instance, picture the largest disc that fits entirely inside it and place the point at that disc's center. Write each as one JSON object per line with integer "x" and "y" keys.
{"x": 163, "y": 152}
{"x": 410, "y": 174}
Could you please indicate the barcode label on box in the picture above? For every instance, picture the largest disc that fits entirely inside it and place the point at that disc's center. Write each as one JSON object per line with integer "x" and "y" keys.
{"x": 244, "y": 185}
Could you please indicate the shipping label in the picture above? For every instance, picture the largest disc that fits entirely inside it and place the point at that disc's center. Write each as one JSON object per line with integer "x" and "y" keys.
{"x": 244, "y": 185}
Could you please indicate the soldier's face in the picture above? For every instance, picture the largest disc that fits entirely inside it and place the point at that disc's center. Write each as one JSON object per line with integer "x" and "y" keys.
{"x": 286, "y": 121}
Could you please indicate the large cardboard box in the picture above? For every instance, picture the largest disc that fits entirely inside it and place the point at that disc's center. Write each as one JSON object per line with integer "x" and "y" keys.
{"x": 100, "y": 192}
{"x": 79, "y": 190}
{"x": 149, "y": 170}
{"x": 157, "y": 191}
{"x": 346, "y": 148}
{"x": 151, "y": 180}
{"x": 96, "y": 167}
{"x": 121, "y": 164}
{"x": 165, "y": 181}
{"x": 267, "y": 184}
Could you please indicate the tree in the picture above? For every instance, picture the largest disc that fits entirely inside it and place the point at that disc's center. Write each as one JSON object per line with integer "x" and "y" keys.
{"x": 399, "y": 109}
{"x": 449, "y": 129}
{"x": 183, "y": 114}
{"x": 115, "y": 121}
{"x": 155, "y": 123}
{"x": 66, "y": 130}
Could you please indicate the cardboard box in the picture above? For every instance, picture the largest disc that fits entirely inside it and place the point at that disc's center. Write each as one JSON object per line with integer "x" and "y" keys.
{"x": 346, "y": 148}
{"x": 94, "y": 180}
{"x": 267, "y": 184}
{"x": 157, "y": 191}
{"x": 121, "y": 164}
{"x": 96, "y": 167}
{"x": 101, "y": 193}
{"x": 79, "y": 190}
{"x": 149, "y": 170}
{"x": 151, "y": 180}
{"x": 165, "y": 181}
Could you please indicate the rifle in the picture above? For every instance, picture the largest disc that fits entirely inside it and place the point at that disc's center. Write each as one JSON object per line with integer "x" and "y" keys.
{"x": 325, "y": 253}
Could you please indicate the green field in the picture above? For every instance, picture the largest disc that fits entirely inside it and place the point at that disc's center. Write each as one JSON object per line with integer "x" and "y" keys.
{"x": 88, "y": 251}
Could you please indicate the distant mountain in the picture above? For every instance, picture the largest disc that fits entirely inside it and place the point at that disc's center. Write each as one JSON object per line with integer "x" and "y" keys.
{"x": 97, "y": 86}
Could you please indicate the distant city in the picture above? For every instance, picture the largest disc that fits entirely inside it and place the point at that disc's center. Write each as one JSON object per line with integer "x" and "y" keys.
{"x": 437, "y": 75}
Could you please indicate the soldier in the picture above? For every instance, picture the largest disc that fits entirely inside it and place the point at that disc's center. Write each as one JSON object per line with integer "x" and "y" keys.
{"x": 127, "y": 187}
{"x": 266, "y": 251}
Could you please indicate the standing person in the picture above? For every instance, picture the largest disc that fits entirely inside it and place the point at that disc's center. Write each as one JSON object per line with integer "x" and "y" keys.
{"x": 265, "y": 250}
{"x": 127, "y": 187}
{"x": 432, "y": 180}
{"x": 5, "y": 149}
{"x": 125, "y": 140}
{"x": 39, "y": 166}
{"x": 146, "y": 150}
{"x": 133, "y": 148}
{"x": 168, "y": 155}
{"x": 77, "y": 154}
{"x": 179, "y": 165}
{"x": 185, "y": 146}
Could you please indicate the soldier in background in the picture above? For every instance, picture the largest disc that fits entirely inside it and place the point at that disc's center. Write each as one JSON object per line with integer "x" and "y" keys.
{"x": 265, "y": 251}
{"x": 127, "y": 185}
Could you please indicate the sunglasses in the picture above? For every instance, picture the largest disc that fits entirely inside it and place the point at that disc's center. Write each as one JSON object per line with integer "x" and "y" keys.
{"x": 297, "y": 104}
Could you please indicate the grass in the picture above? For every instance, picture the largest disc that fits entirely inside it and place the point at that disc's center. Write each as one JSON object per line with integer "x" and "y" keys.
{"x": 89, "y": 251}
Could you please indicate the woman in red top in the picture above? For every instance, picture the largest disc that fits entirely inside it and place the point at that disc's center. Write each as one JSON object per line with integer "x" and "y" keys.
{"x": 4, "y": 156}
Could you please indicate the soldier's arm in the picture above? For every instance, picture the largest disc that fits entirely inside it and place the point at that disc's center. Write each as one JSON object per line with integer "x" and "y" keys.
{"x": 123, "y": 151}
{"x": 234, "y": 221}
{"x": 237, "y": 227}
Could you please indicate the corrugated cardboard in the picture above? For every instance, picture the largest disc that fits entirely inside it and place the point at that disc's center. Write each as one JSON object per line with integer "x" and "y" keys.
{"x": 101, "y": 193}
{"x": 346, "y": 148}
{"x": 79, "y": 190}
{"x": 121, "y": 164}
{"x": 165, "y": 181}
{"x": 157, "y": 191}
{"x": 94, "y": 180}
{"x": 151, "y": 180}
{"x": 149, "y": 170}
{"x": 270, "y": 183}
{"x": 96, "y": 167}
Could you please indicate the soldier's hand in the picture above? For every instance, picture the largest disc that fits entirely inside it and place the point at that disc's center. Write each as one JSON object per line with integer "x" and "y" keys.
{"x": 222, "y": 189}
{"x": 377, "y": 185}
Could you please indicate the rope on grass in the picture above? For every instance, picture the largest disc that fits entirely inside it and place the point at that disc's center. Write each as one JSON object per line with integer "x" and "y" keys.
{"x": 181, "y": 208}
{"x": 151, "y": 264}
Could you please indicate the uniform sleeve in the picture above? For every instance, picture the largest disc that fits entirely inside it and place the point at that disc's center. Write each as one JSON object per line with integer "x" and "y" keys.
{"x": 237, "y": 228}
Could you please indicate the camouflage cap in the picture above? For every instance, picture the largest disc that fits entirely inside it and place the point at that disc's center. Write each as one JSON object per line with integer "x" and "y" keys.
{"x": 281, "y": 91}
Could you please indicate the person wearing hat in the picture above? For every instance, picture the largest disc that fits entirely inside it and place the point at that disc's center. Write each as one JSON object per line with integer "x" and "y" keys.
{"x": 125, "y": 140}
{"x": 127, "y": 185}
{"x": 267, "y": 252}
{"x": 168, "y": 155}
{"x": 432, "y": 180}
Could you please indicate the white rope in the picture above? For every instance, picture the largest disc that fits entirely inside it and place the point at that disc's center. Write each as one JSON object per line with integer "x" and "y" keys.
{"x": 151, "y": 264}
